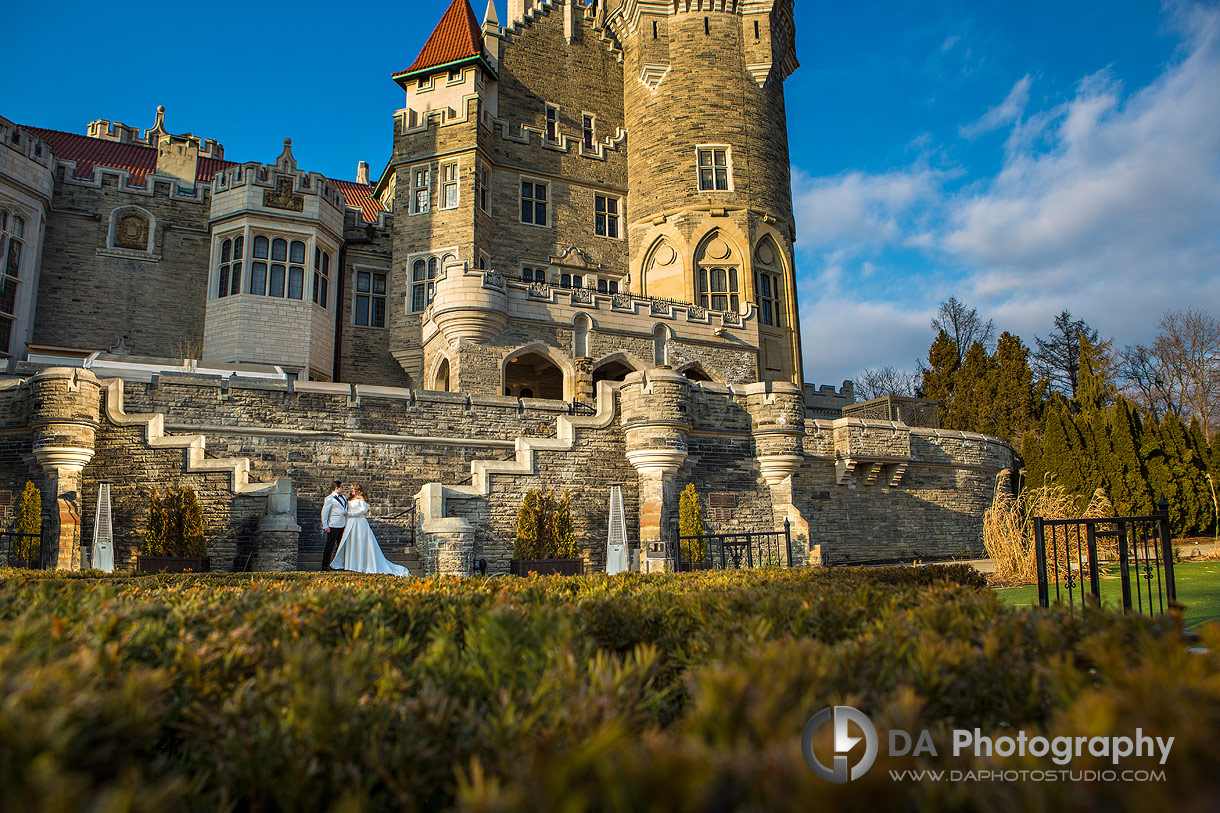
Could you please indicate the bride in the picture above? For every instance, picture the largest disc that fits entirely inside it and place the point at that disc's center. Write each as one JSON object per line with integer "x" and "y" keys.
{"x": 358, "y": 549}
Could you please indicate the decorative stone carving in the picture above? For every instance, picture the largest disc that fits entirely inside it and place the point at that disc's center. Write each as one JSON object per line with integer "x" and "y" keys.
{"x": 131, "y": 231}
{"x": 283, "y": 197}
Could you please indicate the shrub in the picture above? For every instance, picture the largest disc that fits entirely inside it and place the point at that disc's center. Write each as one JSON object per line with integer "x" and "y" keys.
{"x": 667, "y": 692}
{"x": 544, "y": 527}
{"x": 690, "y": 523}
{"x": 175, "y": 525}
{"x": 29, "y": 521}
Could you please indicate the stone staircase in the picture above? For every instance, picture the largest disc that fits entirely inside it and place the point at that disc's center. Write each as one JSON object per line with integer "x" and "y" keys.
{"x": 310, "y": 556}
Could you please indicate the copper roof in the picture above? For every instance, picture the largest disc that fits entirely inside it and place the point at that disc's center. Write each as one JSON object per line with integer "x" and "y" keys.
{"x": 360, "y": 196}
{"x": 457, "y": 37}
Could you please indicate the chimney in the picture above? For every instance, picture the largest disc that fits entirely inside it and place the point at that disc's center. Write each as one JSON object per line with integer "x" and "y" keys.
{"x": 362, "y": 173}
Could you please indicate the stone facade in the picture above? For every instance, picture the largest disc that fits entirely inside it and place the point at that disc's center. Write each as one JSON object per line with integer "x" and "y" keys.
{"x": 553, "y": 284}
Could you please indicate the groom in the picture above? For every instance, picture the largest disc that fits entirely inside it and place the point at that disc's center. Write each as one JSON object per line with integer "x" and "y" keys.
{"x": 334, "y": 518}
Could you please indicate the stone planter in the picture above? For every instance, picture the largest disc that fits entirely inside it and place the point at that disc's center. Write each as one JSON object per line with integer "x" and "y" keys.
{"x": 172, "y": 564}
{"x": 546, "y": 567}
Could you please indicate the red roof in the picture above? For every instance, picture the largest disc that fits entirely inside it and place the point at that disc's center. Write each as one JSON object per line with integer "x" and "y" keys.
{"x": 138, "y": 159}
{"x": 457, "y": 36}
{"x": 360, "y": 196}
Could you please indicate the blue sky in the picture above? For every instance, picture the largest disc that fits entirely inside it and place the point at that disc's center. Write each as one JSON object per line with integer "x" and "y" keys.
{"x": 1024, "y": 157}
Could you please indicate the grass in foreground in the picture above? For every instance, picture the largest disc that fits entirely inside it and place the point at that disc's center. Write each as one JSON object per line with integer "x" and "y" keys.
{"x": 683, "y": 692}
{"x": 1198, "y": 586}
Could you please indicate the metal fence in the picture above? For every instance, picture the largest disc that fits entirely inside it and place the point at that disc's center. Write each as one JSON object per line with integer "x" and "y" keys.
{"x": 1073, "y": 552}
{"x": 9, "y": 543}
{"x": 737, "y": 551}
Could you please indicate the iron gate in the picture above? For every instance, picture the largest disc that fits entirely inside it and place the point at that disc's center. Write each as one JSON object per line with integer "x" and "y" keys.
{"x": 1069, "y": 551}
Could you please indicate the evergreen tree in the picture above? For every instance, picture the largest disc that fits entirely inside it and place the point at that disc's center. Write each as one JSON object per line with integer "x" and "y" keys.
{"x": 1057, "y": 359}
{"x": 937, "y": 378}
{"x": 192, "y": 543}
{"x": 1014, "y": 411}
{"x": 563, "y": 533}
{"x": 1094, "y": 388}
{"x": 1126, "y": 481}
{"x": 154, "y": 534}
{"x": 529, "y": 520}
{"x": 972, "y": 405}
{"x": 690, "y": 523}
{"x": 29, "y": 521}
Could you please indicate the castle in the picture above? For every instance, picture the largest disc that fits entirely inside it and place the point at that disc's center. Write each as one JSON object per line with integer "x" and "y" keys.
{"x": 552, "y": 283}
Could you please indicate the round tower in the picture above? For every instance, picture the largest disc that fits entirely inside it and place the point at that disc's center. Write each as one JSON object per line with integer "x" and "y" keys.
{"x": 710, "y": 196}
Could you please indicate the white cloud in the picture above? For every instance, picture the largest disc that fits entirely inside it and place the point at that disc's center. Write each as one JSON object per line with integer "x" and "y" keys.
{"x": 1107, "y": 204}
{"x": 1006, "y": 112}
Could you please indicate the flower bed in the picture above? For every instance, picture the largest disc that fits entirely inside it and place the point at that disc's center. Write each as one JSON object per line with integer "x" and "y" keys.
{"x": 632, "y": 692}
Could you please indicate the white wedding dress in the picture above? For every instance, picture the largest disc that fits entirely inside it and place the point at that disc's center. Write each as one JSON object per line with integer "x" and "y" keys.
{"x": 358, "y": 549}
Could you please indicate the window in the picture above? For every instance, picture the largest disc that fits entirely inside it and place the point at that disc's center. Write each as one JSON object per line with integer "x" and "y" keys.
{"x": 296, "y": 271}
{"x": 713, "y": 169}
{"x": 718, "y": 289}
{"x": 232, "y": 252}
{"x": 768, "y": 287}
{"x": 588, "y": 133}
{"x": 422, "y": 186}
{"x": 12, "y": 240}
{"x": 481, "y": 179}
{"x": 279, "y": 254}
{"x": 571, "y": 281}
{"x": 605, "y": 216}
{"x": 552, "y": 123}
{"x": 258, "y": 268}
{"x": 449, "y": 186}
{"x": 370, "y": 298}
{"x": 484, "y": 261}
{"x": 423, "y": 272}
{"x": 321, "y": 277}
{"x": 533, "y": 203}
{"x": 531, "y": 274}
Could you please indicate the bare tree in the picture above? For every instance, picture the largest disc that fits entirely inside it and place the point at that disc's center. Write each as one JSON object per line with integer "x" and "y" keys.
{"x": 884, "y": 381}
{"x": 1188, "y": 355}
{"x": 1143, "y": 380}
{"x": 1057, "y": 359}
{"x": 963, "y": 325}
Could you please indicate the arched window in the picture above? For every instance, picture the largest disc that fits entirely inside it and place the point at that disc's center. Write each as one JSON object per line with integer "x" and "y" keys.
{"x": 580, "y": 336}
{"x": 533, "y": 375}
{"x": 258, "y": 268}
{"x": 660, "y": 350}
{"x": 279, "y": 255}
{"x": 717, "y": 266}
{"x": 321, "y": 278}
{"x": 769, "y": 283}
{"x": 12, "y": 242}
{"x": 424, "y": 271}
{"x": 296, "y": 271}
{"x": 232, "y": 252}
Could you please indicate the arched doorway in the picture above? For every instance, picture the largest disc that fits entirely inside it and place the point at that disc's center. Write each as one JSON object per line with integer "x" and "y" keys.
{"x": 611, "y": 371}
{"x": 441, "y": 380}
{"x": 695, "y": 373}
{"x": 533, "y": 375}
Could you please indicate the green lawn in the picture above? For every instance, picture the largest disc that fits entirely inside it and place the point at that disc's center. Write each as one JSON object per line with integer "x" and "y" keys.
{"x": 1198, "y": 586}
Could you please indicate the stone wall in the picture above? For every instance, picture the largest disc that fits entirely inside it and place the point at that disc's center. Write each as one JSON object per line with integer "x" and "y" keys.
{"x": 90, "y": 296}
{"x": 858, "y": 491}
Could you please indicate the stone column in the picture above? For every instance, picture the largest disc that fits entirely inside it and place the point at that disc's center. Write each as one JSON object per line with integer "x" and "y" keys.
{"x": 655, "y": 422}
{"x": 64, "y": 418}
{"x": 777, "y": 418}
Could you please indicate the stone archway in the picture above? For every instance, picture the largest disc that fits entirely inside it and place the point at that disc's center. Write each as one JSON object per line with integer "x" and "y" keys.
{"x": 533, "y": 375}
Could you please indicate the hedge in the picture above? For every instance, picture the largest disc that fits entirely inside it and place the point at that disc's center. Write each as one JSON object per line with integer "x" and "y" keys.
{"x": 682, "y": 692}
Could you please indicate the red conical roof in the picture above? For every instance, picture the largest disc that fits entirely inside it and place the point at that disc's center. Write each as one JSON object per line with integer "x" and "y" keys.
{"x": 457, "y": 37}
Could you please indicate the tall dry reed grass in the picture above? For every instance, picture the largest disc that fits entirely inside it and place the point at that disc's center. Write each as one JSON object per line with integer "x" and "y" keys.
{"x": 1008, "y": 530}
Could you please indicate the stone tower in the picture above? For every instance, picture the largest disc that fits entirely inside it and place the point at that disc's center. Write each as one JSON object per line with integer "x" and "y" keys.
{"x": 711, "y": 218}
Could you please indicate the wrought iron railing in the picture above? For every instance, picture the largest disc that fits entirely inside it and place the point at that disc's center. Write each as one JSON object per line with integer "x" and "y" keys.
{"x": 9, "y": 543}
{"x": 737, "y": 551}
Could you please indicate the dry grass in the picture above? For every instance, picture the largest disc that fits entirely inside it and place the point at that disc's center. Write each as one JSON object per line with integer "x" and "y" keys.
{"x": 1008, "y": 529}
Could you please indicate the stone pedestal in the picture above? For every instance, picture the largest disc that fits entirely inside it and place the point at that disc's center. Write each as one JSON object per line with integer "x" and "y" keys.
{"x": 278, "y": 544}
{"x": 448, "y": 545}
